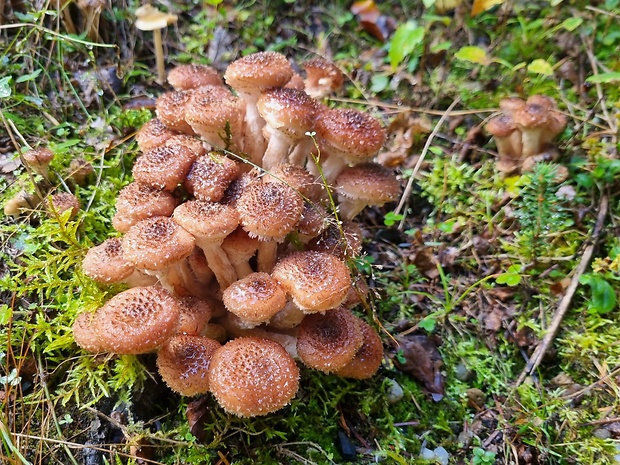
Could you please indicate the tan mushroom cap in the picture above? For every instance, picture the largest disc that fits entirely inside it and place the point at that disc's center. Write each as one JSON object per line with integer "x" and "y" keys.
{"x": 137, "y": 320}
{"x": 366, "y": 184}
{"x": 313, "y": 221}
{"x": 296, "y": 177}
{"x": 38, "y": 159}
{"x": 164, "y": 167}
{"x": 255, "y": 298}
{"x": 323, "y": 77}
{"x": 137, "y": 202}
{"x": 105, "y": 262}
{"x": 79, "y": 170}
{"x": 195, "y": 315}
{"x": 216, "y": 115}
{"x": 269, "y": 211}
{"x": 149, "y": 18}
{"x": 209, "y": 220}
{"x": 157, "y": 243}
{"x": 329, "y": 341}
{"x": 84, "y": 333}
{"x": 193, "y": 143}
{"x": 251, "y": 376}
{"x": 316, "y": 281}
{"x": 183, "y": 363}
{"x": 153, "y": 133}
{"x": 511, "y": 104}
{"x": 210, "y": 176}
{"x": 350, "y": 134}
{"x": 289, "y": 111}
{"x": 191, "y": 76}
{"x": 296, "y": 82}
{"x": 258, "y": 71}
{"x": 501, "y": 126}
{"x": 61, "y": 202}
{"x": 236, "y": 187}
{"x": 344, "y": 242}
{"x": 170, "y": 108}
{"x": 367, "y": 359}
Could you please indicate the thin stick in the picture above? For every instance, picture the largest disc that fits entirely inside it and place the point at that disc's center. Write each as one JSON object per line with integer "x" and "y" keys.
{"x": 564, "y": 305}
{"x": 407, "y": 192}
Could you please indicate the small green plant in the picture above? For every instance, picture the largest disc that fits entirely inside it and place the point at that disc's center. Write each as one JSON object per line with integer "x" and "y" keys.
{"x": 483, "y": 457}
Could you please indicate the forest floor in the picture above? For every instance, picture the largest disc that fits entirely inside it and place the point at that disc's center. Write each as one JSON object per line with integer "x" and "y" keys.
{"x": 494, "y": 293}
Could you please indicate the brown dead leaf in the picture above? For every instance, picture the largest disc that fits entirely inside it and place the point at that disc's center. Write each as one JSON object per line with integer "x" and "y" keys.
{"x": 404, "y": 133}
{"x": 419, "y": 357}
{"x": 480, "y": 6}
{"x": 423, "y": 258}
{"x": 372, "y": 21}
{"x": 196, "y": 413}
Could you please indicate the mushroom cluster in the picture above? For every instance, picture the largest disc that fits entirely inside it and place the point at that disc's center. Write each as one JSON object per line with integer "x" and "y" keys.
{"x": 523, "y": 131}
{"x": 235, "y": 263}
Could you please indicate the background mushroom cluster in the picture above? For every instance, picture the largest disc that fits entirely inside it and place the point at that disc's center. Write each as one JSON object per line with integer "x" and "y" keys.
{"x": 236, "y": 234}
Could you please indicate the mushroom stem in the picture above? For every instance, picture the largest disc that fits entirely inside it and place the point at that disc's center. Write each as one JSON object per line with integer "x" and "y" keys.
{"x": 159, "y": 57}
{"x": 267, "y": 254}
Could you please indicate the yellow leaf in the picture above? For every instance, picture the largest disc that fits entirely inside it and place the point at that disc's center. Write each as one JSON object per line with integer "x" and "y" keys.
{"x": 483, "y": 5}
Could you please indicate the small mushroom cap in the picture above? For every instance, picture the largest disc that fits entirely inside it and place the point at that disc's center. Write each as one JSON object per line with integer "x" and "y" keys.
{"x": 157, "y": 243}
{"x": 269, "y": 210}
{"x": 289, "y": 111}
{"x": 153, "y": 133}
{"x": 170, "y": 108}
{"x": 511, "y": 104}
{"x": 105, "y": 262}
{"x": 501, "y": 126}
{"x": 329, "y": 341}
{"x": 191, "y": 76}
{"x": 296, "y": 177}
{"x": 344, "y": 242}
{"x": 79, "y": 170}
{"x": 532, "y": 116}
{"x": 368, "y": 357}
{"x": 164, "y": 167}
{"x": 149, "y": 18}
{"x": 137, "y": 320}
{"x": 251, "y": 376}
{"x": 316, "y": 281}
{"x": 137, "y": 202}
{"x": 84, "y": 333}
{"x": 210, "y": 176}
{"x": 183, "y": 363}
{"x": 350, "y": 134}
{"x": 195, "y": 315}
{"x": 62, "y": 202}
{"x": 370, "y": 182}
{"x": 322, "y": 77}
{"x": 39, "y": 157}
{"x": 209, "y": 220}
{"x": 255, "y": 298}
{"x": 258, "y": 71}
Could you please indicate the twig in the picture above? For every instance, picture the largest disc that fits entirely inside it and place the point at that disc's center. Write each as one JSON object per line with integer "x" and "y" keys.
{"x": 564, "y": 305}
{"x": 407, "y": 192}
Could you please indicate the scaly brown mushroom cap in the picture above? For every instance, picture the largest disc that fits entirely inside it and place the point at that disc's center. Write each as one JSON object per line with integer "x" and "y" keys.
{"x": 84, "y": 333}
{"x": 508, "y": 141}
{"x": 61, "y": 202}
{"x": 216, "y": 115}
{"x": 344, "y": 242}
{"x": 38, "y": 159}
{"x": 296, "y": 177}
{"x": 316, "y": 281}
{"x": 183, "y": 363}
{"x": 329, "y": 341}
{"x": 367, "y": 359}
{"x": 289, "y": 115}
{"x": 105, "y": 262}
{"x": 323, "y": 77}
{"x": 258, "y": 71}
{"x": 366, "y": 184}
{"x": 170, "y": 108}
{"x": 210, "y": 176}
{"x": 532, "y": 120}
{"x": 153, "y": 133}
{"x": 164, "y": 167}
{"x": 156, "y": 243}
{"x": 137, "y": 202}
{"x": 509, "y": 105}
{"x": 250, "y": 376}
{"x": 137, "y": 320}
{"x": 195, "y": 315}
{"x": 255, "y": 298}
{"x": 191, "y": 76}
{"x": 349, "y": 137}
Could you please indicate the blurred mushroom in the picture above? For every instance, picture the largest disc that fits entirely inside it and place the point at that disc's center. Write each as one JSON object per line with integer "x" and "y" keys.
{"x": 192, "y": 76}
{"x": 149, "y": 18}
{"x": 38, "y": 160}
{"x": 323, "y": 77}
{"x": 79, "y": 170}
{"x": 61, "y": 202}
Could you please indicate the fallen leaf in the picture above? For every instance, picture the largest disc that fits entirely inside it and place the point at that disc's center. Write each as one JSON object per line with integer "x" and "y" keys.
{"x": 196, "y": 416}
{"x": 372, "y": 21}
{"x": 480, "y": 6}
{"x": 417, "y": 355}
